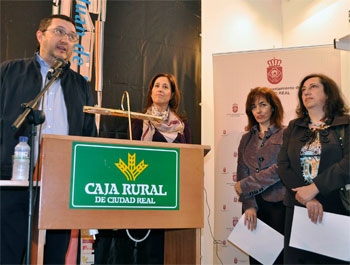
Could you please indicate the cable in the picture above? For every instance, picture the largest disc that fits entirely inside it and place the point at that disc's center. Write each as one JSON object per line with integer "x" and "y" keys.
{"x": 215, "y": 242}
{"x": 137, "y": 240}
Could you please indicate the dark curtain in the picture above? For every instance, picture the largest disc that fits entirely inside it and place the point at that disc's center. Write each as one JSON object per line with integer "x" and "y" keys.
{"x": 142, "y": 38}
{"x": 19, "y": 23}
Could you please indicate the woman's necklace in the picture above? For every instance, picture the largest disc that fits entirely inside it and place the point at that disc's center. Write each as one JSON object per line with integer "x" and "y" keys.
{"x": 322, "y": 125}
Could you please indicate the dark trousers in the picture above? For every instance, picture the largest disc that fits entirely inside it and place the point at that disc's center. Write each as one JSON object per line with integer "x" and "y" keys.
{"x": 14, "y": 227}
{"x": 13, "y": 224}
{"x": 115, "y": 247}
{"x": 56, "y": 246}
{"x": 273, "y": 214}
{"x": 299, "y": 256}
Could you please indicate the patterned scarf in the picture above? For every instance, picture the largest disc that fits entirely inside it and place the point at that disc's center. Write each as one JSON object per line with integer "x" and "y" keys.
{"x": 169, "y": 127}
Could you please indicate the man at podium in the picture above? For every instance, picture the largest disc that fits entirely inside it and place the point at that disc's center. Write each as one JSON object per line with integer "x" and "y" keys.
{"x": 163, "y": 99}
{"x": 21, "y": 81}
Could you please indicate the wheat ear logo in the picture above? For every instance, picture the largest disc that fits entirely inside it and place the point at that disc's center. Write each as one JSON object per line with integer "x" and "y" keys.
{"x": 131, "y": 171}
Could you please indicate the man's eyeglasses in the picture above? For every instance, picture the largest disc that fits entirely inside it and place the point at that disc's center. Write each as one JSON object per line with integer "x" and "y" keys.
{"x": 72, "y": 37}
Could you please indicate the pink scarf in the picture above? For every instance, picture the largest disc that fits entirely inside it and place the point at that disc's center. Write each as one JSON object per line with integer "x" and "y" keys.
{"x": 169, "y": 127}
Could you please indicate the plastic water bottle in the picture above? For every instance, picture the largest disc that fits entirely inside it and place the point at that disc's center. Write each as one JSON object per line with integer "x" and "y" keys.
{"x": 21, "y": 158}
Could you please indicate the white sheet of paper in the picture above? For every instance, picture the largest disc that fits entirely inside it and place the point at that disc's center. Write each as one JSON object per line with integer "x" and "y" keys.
{"x": 263, "y": 244}
{"x": 330, "y": 238}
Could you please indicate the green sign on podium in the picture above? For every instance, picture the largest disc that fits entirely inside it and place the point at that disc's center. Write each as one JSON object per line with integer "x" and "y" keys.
{"x": 107, "y": 176}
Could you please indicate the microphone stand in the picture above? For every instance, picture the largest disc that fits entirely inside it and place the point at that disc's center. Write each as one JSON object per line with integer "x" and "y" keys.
{"x": 35, "y": 117}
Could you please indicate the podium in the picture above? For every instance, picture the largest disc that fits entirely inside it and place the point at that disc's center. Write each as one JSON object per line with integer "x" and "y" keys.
{"x": 182, "y": 226}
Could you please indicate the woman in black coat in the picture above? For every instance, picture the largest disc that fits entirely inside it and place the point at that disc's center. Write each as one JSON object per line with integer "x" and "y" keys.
{"x": 313, "y": 162}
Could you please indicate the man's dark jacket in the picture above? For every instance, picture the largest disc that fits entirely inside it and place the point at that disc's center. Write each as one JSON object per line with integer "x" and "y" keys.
{"x": 21, "y": 81}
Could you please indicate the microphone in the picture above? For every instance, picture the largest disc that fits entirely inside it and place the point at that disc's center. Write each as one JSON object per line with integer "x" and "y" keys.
{"x": 57, "y": 66}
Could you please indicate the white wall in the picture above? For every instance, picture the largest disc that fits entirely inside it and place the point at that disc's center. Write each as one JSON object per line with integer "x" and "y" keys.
{"x": 318, "y": 22}
{"x": 242, "y": 25}
{"x": 314, "y": 22}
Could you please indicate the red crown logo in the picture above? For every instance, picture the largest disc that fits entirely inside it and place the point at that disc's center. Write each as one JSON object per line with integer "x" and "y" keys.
{"x": 234, "y": 177}
{"x": 234, "y": 107}
{"x": 274, "y": 71}
{"x": 274, "y": 62}
{"x": 234, "y": 221}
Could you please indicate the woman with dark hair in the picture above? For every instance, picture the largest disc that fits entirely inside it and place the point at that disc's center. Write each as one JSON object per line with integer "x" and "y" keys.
{"x": 163, "y": 99}
{"x": 313, "y": 162}
{"x": 259, "y": 187}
